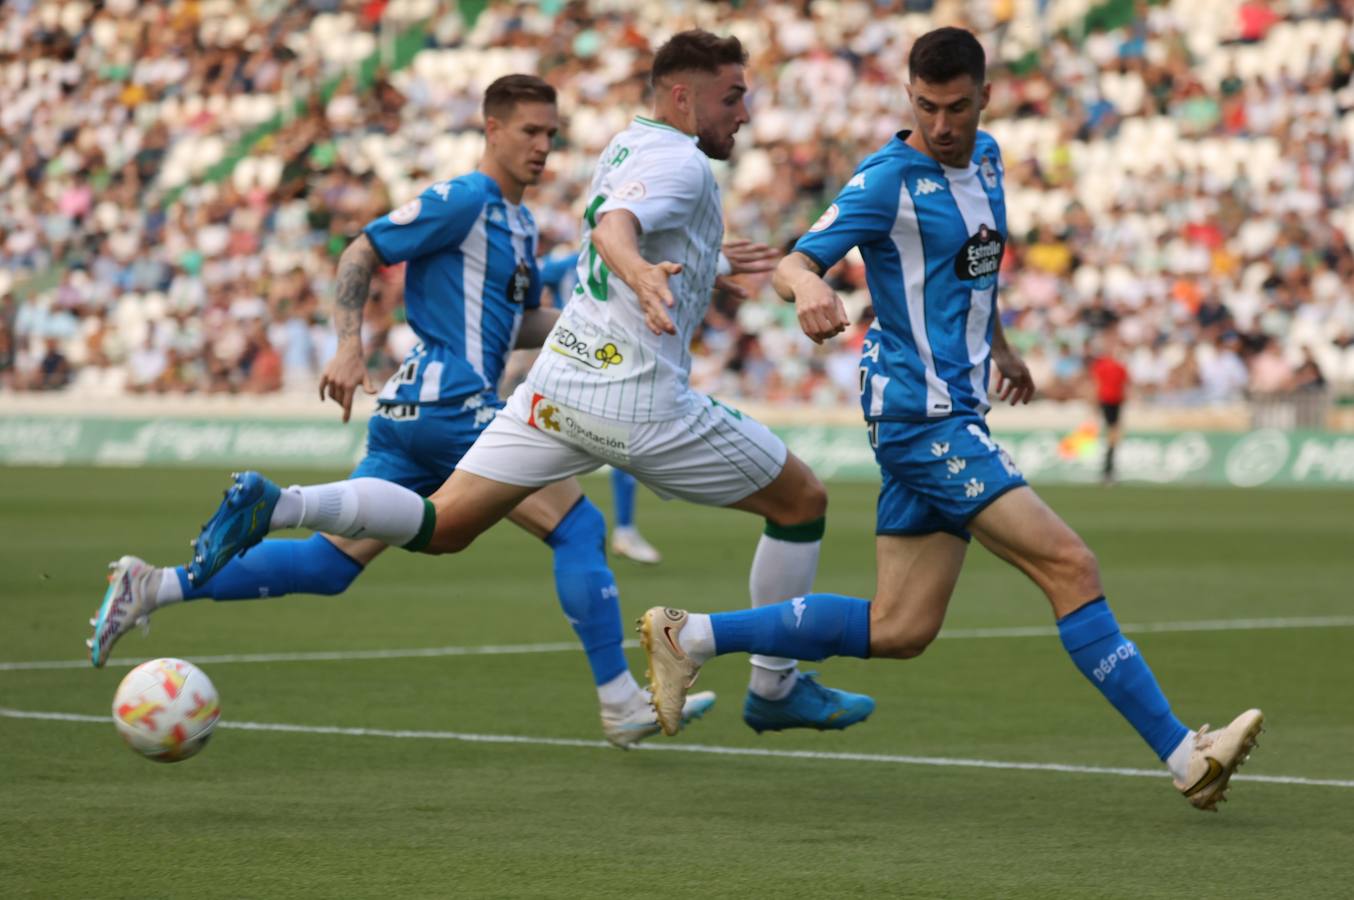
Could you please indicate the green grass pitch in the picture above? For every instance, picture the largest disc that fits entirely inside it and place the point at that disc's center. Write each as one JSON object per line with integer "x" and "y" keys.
{"x": 285, "y": 814}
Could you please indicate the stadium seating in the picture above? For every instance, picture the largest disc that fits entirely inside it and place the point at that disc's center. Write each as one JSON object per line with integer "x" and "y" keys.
{"x": 1172, "y": 160}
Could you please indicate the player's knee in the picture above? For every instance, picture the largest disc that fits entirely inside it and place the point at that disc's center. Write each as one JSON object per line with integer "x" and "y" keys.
{"x": 1077, "y": 561}
{"x": 900, "y": 644}
{"x": 814, "y": 500}
{"x": 892, "y": 639}
{"x": 329, "y": 570}
{"x": 580, "y": 536}
{"x": 807, "y": 504}
{"x": 447, "y": 540}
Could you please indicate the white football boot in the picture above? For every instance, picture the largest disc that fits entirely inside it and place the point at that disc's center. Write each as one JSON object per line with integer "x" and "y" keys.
{"x": 1216, "y": 757}
{"x": 639, "y": 721}
{"x": 129, "y": 600}
{"x": 629, "y": 543}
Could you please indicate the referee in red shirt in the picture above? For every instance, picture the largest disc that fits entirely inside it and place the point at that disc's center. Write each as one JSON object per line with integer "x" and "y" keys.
{"x": 1111, "y": 388}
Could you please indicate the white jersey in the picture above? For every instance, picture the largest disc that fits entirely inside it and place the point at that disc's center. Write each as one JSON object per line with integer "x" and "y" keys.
{"x": 601, "y": 358}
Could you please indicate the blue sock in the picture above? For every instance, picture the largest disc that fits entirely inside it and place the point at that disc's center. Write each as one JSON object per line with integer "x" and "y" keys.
{"x": 623, "y": 497}
{"x": 277, "y": 567}
{"x": 1112, "y": 663}
{"x": 815, "y": 626}
{"x": 587, "y": 589}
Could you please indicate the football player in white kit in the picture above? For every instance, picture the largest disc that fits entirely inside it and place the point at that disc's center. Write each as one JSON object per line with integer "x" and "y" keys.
{"x": 611, "y": 385}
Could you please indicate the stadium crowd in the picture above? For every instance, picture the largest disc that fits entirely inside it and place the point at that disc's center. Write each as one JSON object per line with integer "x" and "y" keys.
{"x": 1184, "y": 185}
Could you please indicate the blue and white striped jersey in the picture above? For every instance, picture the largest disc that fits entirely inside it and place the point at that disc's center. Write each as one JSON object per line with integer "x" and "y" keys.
{"x": 932, "y": 237}
{"x": 471, "y": 272}
{"x": 559, "y": 274}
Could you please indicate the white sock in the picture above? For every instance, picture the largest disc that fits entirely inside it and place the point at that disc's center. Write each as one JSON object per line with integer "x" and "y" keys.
{"x": 1178, "y": 761}
{"x": 359, "y": 507}
{"x": 169, "y": 590}
{"x": 697, "y": 639}
{"x": 620, "y": 692}
{"x": 781, "y": 570}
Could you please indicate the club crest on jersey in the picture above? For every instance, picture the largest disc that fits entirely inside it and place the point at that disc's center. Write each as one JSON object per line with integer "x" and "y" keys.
{"x": 989, "y": 173}
{"x": 826, "y": 219}
{"x": 980, "y": 258}
{"x": 406, "y": 213}
{"x": 544, "y": 414}
{"x": 519, "y": 284}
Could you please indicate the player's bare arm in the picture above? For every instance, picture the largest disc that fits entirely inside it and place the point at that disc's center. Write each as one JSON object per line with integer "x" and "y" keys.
{"x": 348, "y": 368}
{"x": 536, "y": 325}
{"x": 744, "y": 257}
{"x": 616, "y": 238}
{"x": 1014, "y": 382}
{"x": 821, "y": 312}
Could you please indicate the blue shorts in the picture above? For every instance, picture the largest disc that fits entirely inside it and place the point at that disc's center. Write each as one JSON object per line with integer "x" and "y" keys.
{"x": 938, "y": 475}
{"x": 418, "y": 447}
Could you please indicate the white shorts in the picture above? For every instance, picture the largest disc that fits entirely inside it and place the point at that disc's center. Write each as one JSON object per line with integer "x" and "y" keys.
{"x": 713, "y": 455}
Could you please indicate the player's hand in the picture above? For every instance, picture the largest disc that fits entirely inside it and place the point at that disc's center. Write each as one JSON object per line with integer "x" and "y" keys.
{"x": 730, "y": 286}
{"x": 343, "y": 375}
{"x": 655, "y": 297}
{"x": 1014, "y": 382}
{"x": 821, "y": 312}
{"x": 747, "y": 256}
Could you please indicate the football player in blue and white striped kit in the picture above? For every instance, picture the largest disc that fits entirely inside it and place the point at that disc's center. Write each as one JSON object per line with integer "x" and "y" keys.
{"x": 927, "y": 211}
{"x": 472, "y": 292}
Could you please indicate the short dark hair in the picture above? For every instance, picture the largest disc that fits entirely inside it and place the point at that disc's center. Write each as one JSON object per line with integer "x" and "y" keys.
{"x": 502, "y": 97}
{"x": 946, "y": 54}
{"x": 697, "y": 51}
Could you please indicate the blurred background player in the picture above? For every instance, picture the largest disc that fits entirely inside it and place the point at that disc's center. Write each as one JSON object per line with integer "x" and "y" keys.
{"x": 612, "y": 385}
{"x": 927, "y": 211}
{"x": 559, "y": 274}
{"x": 1110, "y": 379}
{"x": 471, "y": 286}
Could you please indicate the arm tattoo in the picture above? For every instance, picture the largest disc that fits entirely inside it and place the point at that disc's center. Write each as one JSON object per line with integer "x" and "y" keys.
{"x": 356, "y": 267}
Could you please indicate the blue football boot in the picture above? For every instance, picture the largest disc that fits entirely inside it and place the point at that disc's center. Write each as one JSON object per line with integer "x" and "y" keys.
{"x": 808, "y": 705}
{"x": 240, "y": 522}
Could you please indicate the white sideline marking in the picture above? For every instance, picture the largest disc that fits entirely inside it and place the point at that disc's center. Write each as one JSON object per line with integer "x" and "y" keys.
{"x": 565, "y": 646}
{"x": 691, "y": 748}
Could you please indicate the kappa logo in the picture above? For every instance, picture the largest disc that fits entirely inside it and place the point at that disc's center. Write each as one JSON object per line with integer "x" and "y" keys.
{"x": 495, "y": 214}
{"x": 798, "y": 605}
{"x": 857, "y": 181}
{"x": 956, "y": 465}
{"x": 974, "y": 488}
{"x": 484, "y": 415}
{"x": 940, "y": 448}
{"x": 927, "y": 186}
{"x": 442, "y": 189}
{"x": 474, "y": 401}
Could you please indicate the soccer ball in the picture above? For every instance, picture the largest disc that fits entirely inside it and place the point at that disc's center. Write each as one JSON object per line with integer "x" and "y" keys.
{"x": 166, "y": 709}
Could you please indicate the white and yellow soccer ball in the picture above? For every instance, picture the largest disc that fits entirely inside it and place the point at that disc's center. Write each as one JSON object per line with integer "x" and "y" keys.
{"x": 165, "y": 709}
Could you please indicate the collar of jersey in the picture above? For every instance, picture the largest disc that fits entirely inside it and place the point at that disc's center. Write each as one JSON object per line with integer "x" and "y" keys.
{"x": 950, "y": 171}
{"x": 494, "y": 191}
{"x": 654, "y": 123}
